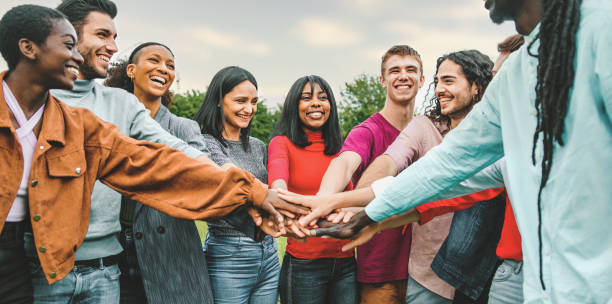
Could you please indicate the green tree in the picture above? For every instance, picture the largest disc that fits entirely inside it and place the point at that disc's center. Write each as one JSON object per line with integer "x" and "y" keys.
{"x": 186, "y": 105}
{"x": 264, "y": 121}
{"x": 361, "y": 98}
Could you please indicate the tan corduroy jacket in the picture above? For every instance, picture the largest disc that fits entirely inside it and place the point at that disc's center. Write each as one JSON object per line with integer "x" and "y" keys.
{"x": 75, "y": 148}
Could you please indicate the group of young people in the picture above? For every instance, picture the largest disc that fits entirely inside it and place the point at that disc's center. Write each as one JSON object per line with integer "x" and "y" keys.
{"x": 102, "y": 182}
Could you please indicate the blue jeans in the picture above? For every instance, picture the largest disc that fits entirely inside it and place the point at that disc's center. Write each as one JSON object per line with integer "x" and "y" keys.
{"x": 318, "y": 281}
{"x": 86, "y": 285}
{"x": 242, "y": 270}
{"x": 417, "y": 293}
{"x": 507, "y": 286}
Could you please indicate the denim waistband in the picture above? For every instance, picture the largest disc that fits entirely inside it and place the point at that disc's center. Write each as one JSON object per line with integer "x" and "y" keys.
{"x": 517, "y": 266}
{"x": 12, "y": 232}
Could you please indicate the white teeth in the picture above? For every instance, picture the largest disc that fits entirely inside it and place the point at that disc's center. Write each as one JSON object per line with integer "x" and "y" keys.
{"x": 402, "y": 87}
{"x": 73, "y": 70}
{"x": 158, "y": 79}
{"x": 107, "y": 59}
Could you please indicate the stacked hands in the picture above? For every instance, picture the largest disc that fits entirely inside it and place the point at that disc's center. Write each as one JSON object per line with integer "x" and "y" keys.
{"x": 301, "y": 216}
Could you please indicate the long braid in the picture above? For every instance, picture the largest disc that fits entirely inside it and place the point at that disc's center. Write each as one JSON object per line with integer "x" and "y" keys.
{"x": 557, "y": 36}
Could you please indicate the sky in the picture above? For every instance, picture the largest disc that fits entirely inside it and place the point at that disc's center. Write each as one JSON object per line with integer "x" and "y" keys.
{"x": 281, "y": 40}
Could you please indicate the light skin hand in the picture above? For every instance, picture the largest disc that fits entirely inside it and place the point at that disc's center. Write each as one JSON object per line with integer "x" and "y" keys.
{"x": 323, "y": 205}
{"x": 343, "y": 215}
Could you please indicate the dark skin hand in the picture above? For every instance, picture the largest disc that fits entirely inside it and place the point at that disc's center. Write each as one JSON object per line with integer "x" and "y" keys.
{"x": 274, "y": 206}
{"x": 343, "y": 230}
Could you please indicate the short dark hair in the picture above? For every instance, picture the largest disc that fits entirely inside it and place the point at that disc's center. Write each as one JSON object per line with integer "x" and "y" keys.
{"x": 210, "y": 115}
{"x": 401, "y": 50}
{"x": 290, "y": 125}
{"x": 511, "y": 43}
{"x": 117, "y": 76}
{"x": 477, "y": 68}
{"x": 77, "y": 10}
{"x": 32, "y": 22}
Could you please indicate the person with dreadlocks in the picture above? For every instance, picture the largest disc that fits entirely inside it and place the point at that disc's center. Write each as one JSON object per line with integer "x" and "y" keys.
{"x": 548, "y": 111}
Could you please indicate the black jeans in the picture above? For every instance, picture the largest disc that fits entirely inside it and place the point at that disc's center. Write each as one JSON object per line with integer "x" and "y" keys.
{"x": 318, "y": 281}
{"x": 15, "y": 283}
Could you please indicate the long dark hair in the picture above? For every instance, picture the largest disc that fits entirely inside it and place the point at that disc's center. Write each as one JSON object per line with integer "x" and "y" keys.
{"x": 117, "y": 76}
{"x": 210, "y": 115}
{"x": 477, "y": 68}
{"x": 557, "y": 36}
{"x": 290, "y": 125}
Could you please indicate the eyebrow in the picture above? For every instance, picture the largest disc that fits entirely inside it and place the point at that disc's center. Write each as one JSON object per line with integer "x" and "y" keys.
{"x": 106, "y": 31}
{"x": 70, "y": 35}
{"x": 447, "y": 76}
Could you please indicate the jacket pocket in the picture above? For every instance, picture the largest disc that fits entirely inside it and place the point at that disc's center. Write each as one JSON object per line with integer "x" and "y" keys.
{"x": 68, "y": 164}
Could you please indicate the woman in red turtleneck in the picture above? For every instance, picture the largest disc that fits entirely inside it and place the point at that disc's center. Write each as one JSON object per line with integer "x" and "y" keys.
{"x": 308, "y": 138}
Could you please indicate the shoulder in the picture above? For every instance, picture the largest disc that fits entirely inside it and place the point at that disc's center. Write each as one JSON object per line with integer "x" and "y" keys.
{"x": 279, "y": 140}
{"x": 257, "y": 143}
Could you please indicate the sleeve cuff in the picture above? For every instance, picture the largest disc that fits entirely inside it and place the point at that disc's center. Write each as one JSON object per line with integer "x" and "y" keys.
{"x": 374, "y": 210}
{"x": 379, "y": 186}
{"x": 257, "y": 193}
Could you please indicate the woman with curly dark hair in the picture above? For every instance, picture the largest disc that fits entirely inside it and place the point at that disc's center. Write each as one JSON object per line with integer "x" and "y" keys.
{"x": 160, "y": 275}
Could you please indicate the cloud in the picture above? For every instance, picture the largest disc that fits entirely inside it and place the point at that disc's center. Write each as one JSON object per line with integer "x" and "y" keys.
{"x": 228, "y": 41}
{"x": 320, "y": 32}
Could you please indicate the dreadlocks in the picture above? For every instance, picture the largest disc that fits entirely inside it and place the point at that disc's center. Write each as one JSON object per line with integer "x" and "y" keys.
{"x": 557, "y": 36}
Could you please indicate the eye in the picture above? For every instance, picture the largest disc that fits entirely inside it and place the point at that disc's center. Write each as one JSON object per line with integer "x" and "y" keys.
{"x": 322, "y": 97}
{"x": 69, "y": 45}
{"x": 306, "y": 97}
{"x": 154, "y": 60}
{"x": 170, "y": 66}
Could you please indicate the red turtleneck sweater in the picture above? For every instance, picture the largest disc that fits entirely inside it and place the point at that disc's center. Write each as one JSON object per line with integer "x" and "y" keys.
{"x": 302, "y": 169}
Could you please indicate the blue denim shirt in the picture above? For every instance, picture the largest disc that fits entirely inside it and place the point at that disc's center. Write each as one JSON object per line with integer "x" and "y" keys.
{"x": 467, "y": 258}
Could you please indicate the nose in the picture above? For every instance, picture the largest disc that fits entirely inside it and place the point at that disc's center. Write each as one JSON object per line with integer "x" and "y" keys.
{"x": 76, "y": 56}
{"x": 111, "y": 46}
{"x": 439, "y": 89}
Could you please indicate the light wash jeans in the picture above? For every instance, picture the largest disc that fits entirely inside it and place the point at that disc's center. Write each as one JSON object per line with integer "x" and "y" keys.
{"x": 241, "y": 270}
{"x": 417, "y": 293}
{"x": 86, "y": 285}
{"x": 507, "y": 286}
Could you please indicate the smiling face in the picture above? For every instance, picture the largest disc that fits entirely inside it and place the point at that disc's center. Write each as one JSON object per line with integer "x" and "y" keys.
{"x": 58, "y": 59}
{"x": 453, "y": 90}
{"x": 97, "y": 45}
{"x": 313, "y": 107}
{"x": 402, "y": 78}
{"x": 239, "y": 106}
{"x": 152, "y": 71}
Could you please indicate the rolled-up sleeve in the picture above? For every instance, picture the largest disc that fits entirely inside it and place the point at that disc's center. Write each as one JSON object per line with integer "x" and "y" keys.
{"x": 473, "y": 145}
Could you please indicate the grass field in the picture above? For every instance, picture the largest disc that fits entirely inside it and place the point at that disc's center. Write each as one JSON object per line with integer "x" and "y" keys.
{"x": 282, "y": 241}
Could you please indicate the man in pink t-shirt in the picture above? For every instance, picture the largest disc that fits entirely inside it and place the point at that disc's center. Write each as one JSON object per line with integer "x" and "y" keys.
{"x": 382, "y": 263}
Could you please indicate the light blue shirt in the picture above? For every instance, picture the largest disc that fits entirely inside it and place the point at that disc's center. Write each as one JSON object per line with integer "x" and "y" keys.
{"x": 577, "y": 200}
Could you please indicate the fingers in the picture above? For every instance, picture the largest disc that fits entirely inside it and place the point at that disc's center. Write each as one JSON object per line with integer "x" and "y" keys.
{"x": 348, "y": 216}
{"x": 298, "y": 199}
{"x": 296, "y": 209}
{"x": 314, "y": 215}
{"x": 255, "y": 215}
{"x": 286, "y": 213}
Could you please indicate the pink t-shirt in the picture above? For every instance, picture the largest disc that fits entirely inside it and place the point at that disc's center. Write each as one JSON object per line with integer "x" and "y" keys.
{"x": 414, "y": 141}
{"x": 385, "y": 257}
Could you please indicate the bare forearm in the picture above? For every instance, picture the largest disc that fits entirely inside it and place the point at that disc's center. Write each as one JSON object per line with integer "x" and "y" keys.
{"x": 339, "y": 173}
{"x": 354, "y": 198}
{"x": 400, "y": 220}
{"x": 382, "y": 166}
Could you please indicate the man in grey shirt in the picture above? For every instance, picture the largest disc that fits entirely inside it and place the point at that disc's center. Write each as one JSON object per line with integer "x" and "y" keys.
{"x": 93, "y": 21}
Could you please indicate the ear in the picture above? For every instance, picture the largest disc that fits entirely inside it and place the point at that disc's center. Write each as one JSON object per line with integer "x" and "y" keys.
{"x": 130, "y": 70}
{"x": 382, "y": 82}
{"x": 28, "y": 48}
{"x": 474, "y": 89}
{"x": 422, "y": 80}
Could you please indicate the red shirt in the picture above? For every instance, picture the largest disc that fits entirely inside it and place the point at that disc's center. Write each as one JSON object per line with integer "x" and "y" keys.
{"x": 303, "y": 169}
{"x": 509, "y": 246}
